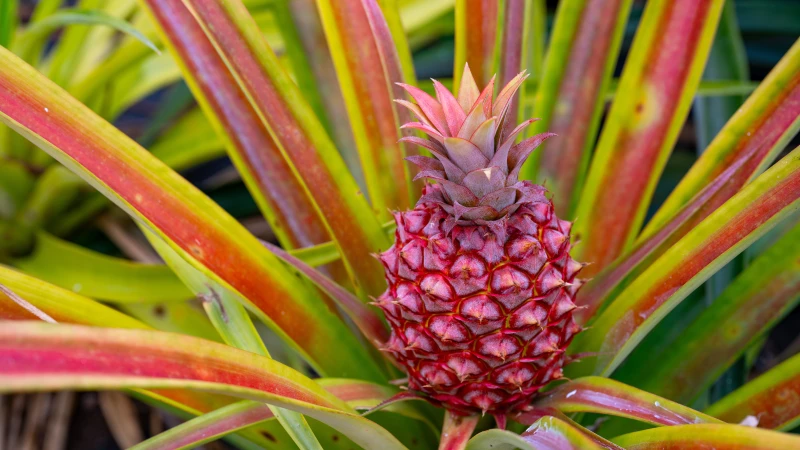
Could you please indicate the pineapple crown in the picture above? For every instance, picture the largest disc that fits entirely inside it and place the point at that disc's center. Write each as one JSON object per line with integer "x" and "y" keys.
{"x": 475, "y": 159}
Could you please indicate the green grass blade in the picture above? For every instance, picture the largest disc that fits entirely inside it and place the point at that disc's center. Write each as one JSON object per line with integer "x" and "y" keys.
{"x": 660, "y": 78}
{"x": 34, "y": 36}
{"x": 61, "y": 304}
{"x": 99, "y": 276}
{"x": 721, "y": 236}
{"x": 8, "y": 21}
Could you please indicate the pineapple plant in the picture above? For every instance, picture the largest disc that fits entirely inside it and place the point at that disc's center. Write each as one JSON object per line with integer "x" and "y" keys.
{"x": 481, "y": 284}
{"x": 415, "y": 247}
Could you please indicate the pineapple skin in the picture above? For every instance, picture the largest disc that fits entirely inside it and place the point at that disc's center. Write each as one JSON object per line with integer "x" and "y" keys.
{"x": 481, "y": 314}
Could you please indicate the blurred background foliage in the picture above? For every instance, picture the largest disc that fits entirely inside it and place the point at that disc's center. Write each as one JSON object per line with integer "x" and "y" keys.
{"x": 140, "y": 91}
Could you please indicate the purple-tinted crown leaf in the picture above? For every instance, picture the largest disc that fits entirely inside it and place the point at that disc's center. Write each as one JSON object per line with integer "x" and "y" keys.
{"x": 432, "y": 109}
{"x": 453, "y": 112}
{"x": 484, "y": 181}
{"x": 414, "y": 108}
{"x": 483, "y": 137}
{"x": 468, "y": 92}
{"x": 427, "y": 129}
{"x": 465, "y": 154}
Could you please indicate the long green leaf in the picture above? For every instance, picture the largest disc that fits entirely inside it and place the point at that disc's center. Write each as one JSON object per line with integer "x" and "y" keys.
{"x": 8, "y": 21}
{"x": 772, "y": 398}
{"x": 35, "y": 35}
{"x": 766, "y": 291}
{"x": 61, "y": 304}
{"x": 99, "y": 276}
{"x": 658, "y": 83}
{"x": 587, "y": 35}
{"x": 764, "y": 124}
{"x": 715, "y": 241}
{"x": 720, "y": 437}
{"x": 298, "y": 133}
{"x": 97, "y": 358}
{"x": 198, "y": 229}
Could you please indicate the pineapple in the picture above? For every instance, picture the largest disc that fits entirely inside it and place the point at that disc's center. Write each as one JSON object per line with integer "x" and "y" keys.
{"x": 481, "y": 283}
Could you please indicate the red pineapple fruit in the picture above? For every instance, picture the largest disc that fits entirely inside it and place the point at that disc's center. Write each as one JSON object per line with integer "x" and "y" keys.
{"x": 481, "y": 283}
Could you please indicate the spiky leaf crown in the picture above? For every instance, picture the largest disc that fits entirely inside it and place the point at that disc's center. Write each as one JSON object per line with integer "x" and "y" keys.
{"x": 476, "y": 161}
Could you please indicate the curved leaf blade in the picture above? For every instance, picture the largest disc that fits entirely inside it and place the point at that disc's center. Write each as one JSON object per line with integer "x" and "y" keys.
{"x": 273, "y": 185}
{"x": 772, "y": 398}
{"x": 762, "y": 126}
{"x": 747, "y": 309}
{"x": 476, "y": 39}
{"x": 193, "y": 225}
{"x": 715, "y": 241}
{"x": 658, "y": 82}
{"x": 721, "y": 437}
{"x": 100, "y": 276}
{"x": 96, "y": 358}
{"x": 368, "y": 66}
{"x": 605, "y": 396}
{"x": 587, "y": 36}
{"x": 548, "y": 433}
{"x": 301, "y": 138}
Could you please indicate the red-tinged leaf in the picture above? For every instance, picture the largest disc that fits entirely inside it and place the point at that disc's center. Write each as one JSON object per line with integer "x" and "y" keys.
{"x": 228, "y": 419}
{"x": 547, "y": 433}
{"x": 658, "y": 83}
{"x": 308, "y": 26}
{"x": 583, "y": 52}
{"x": 301, "y": 138}
{"x": 97, "y": 358}
{"x": 61, "y": 304}
{"x": 761, "y": 127}
{"x": 66, "y": 306}
{"x": 368, "y": 66}
{"x": 456, "y": 431}
{"x": 273, "y": 185}
{"x": 773, "y": 398}
{"x": 613, "y": 278}
{"x": 747, "y": 309}
{"x": 476, "y": 35}
{"x": 715, "y": 241}
{"x": 606, "y": 396}
{"x": 191, "y": 223}
{"x": 719, "y": 437}
{"x": 365, "y": 319}
{"x": 513, "y": 34}
{"x": 208, "y": 427}
{"x": 747, "y": 143}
